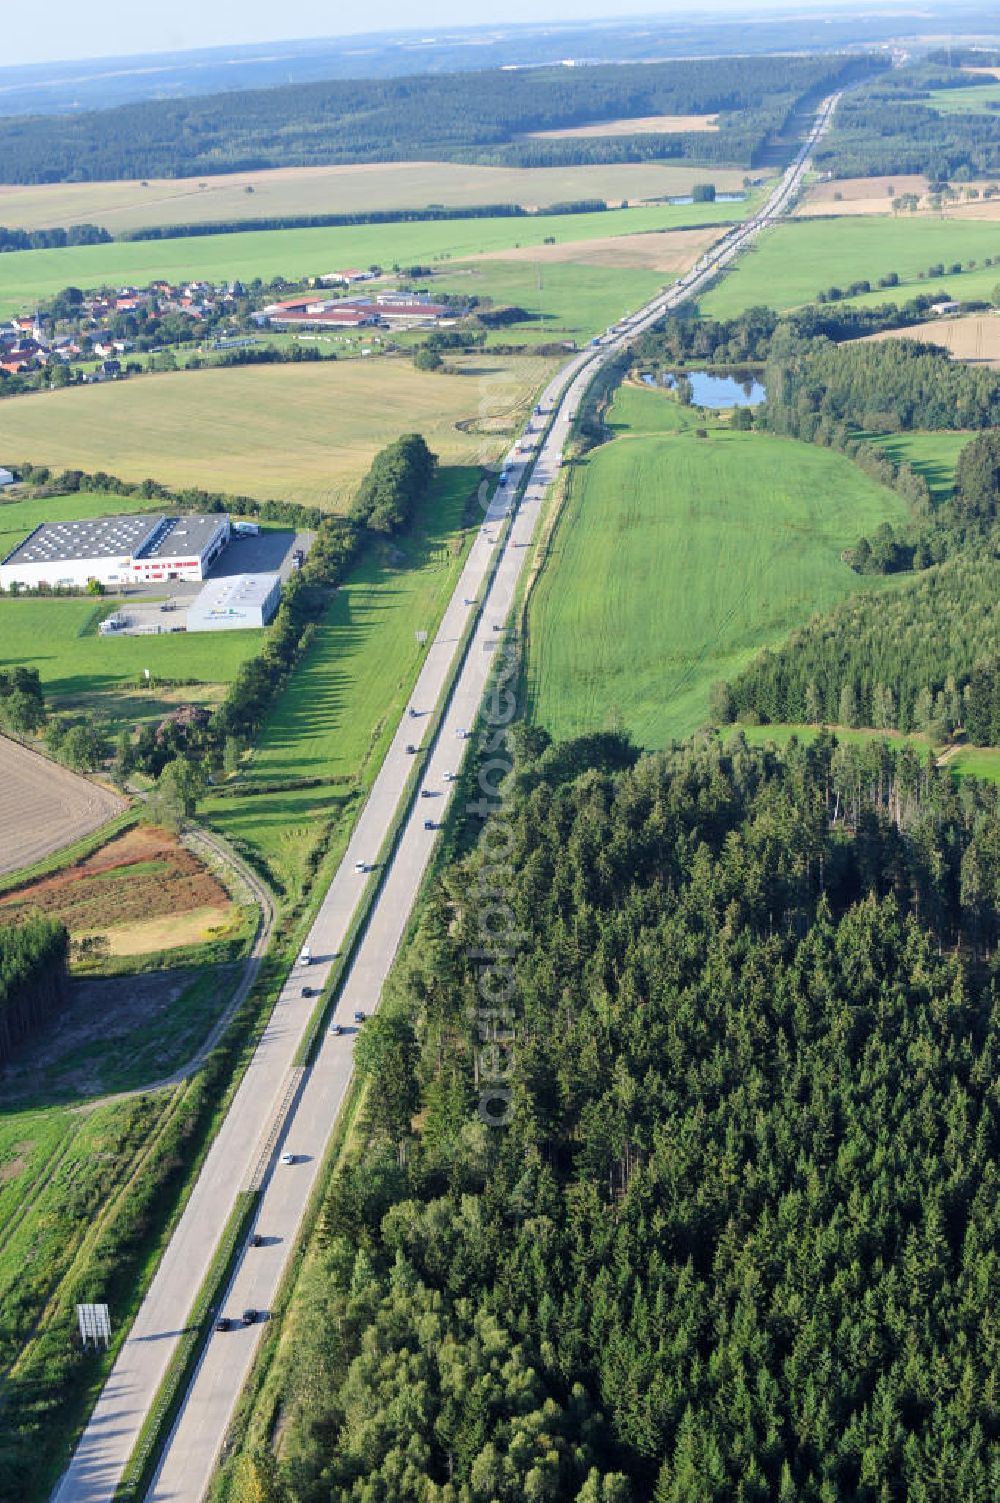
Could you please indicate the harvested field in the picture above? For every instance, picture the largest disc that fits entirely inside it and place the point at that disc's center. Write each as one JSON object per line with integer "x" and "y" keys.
{"x": 859, "y": 195}
{"x": 142, "y": 876}
{"x": 44, "y": 807}
{"x": 642, "y": 125}
{"x": 342, "y": 190}
{"x": 870, "y": 195}
{"x": 657, "y": 250}
{"x": 975, "y": 337}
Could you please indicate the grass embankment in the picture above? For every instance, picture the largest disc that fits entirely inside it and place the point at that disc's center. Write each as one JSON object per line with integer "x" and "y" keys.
{"x": 34, "y": 275}
{"x": 304, "y": 433}
{"x": 343, "y": 190}
{"x": 340, "y": 710}
{"x": 676, "y": 558}
{"x": 802, "y": 257}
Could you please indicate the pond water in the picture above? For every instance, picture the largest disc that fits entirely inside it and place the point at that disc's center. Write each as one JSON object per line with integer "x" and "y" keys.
{"x": 720, "y": 198}
{"x": 710, "y": 390}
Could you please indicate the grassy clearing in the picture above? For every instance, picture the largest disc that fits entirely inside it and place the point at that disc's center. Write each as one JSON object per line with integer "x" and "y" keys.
{"x": 979, "y": 99}
{"x": 305, "y": 433}
{"x": 802, "y": 257}
{"x": 966, "y": 761}
{"x": 27, "y": 277}
{"x": 933, "y": 455}
{"x": 342, "y": 190}
{"x": 676, "y": 559}
{"x": 338, "y": 713}
{"x": 76, "y": 664}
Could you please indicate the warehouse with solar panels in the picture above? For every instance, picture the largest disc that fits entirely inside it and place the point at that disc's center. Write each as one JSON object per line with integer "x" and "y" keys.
{"x": 115, "y": 551}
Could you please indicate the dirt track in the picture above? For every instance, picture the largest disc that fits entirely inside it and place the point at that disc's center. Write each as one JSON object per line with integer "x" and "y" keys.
{"x": 44, "y": 807}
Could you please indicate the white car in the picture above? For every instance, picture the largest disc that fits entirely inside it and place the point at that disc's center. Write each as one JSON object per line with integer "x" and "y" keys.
{"x": 361, "y": 866}
{"x": 288, "y": 1158}
{"x": 449, "y": 777}
{"x": 462, "y": 733}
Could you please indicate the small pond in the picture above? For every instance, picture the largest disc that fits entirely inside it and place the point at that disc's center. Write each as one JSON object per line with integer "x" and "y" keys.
{"x": 710, "y": 390}
{"x": 720, "y": 198}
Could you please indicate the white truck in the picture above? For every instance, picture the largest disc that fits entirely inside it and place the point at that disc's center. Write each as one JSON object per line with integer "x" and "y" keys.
{"x": 305, "y": 956}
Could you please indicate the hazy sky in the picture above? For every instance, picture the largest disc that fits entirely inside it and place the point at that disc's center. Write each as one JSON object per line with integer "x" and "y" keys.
{"x": 57, "y": 29}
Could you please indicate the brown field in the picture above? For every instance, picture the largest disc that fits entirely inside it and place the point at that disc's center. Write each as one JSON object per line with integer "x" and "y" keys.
{"x": 859, "y": 195}
{"x": 990, "y": 72}
{"x": 657, "y": 250}
{"x": 869, "y": 195}
{"x": 642, "y": 125}
{"x": 144, "y": 876}
{"x": 341, "y": 190}
{"x": 303, "y": 432}
{"x": 44, "y": 807}
{"x": 975, "y": 337}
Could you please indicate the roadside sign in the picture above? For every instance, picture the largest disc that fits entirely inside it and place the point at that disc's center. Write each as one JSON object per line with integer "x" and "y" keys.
{"x": 95, "y": 1324}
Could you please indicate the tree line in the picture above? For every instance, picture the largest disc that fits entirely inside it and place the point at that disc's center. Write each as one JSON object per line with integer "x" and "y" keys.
{"x": 737, "y": 1238}
{"x": 55, "y": 238}
{"x": 452, "y": 117}
{"x": 922, "y": 658}
{"x": 33, "y": 976}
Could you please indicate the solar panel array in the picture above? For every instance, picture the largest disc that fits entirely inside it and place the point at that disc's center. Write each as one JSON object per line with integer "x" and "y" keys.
{"x": 101, "y": 537}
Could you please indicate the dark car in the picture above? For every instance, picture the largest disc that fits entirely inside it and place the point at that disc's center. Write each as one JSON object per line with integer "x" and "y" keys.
{"x": 307, "y": 991}
{"x": 256, "y": 1240}
{"x": 426, "y": 793}
{"x": 359, "y": 1016}
{"x": 250, "y": 1317}
{"x": 223, "y": 1323}
{"x": 429, "y": 824}
{"x": 411, "y": 750}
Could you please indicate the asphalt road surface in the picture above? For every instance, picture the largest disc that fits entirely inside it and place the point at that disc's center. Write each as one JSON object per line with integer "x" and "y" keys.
{"x": 248, "y": 1137}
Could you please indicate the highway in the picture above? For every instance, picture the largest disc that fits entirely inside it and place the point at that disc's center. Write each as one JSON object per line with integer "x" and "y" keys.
{"x": 278, "y": 1110}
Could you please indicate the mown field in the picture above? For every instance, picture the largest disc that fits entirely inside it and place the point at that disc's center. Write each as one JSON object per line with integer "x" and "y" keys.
{"x": 341, "y": 708}
{"x": 27, "y": 277}
{"x": 80, "y": 668}
{"x": 121, "y": 206}
{"x": 676, "y": 558}
{"x": 304, "y": 433}
{"x": 802, "y": 257}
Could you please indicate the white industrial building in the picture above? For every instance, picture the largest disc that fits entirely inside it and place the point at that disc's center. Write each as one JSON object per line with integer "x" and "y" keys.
{"x": 6, "y": 478}
{"x": 235, "y": 602}
{"x": 115, "y": 551}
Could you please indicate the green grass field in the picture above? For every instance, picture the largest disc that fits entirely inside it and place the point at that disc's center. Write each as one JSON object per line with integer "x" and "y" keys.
{"x": 342, "y": 706}
{"x": 802, "y": 257}
{"x": 566, "y": 300}
{"x": 304, "y": 433}
{"x": 933, "y": 455}
{"x": 975, "y": 99}
{"x": 53, "y": 636}
{"x": 26, "y": 277}
{"x": 343, "y": 190}
{"x": 676, "y": 559}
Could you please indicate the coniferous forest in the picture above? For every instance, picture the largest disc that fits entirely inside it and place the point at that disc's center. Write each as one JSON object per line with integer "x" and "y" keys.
{"x": 479, "y": 116}
{"x": 33, "y": 959}
{"x": 739, "y": 1237}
